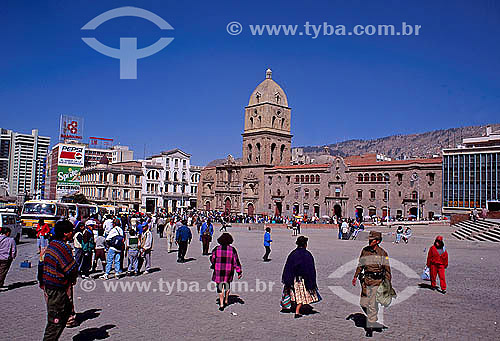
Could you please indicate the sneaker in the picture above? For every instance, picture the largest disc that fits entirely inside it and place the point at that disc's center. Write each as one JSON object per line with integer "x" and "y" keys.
{"x": 105, "y": 277}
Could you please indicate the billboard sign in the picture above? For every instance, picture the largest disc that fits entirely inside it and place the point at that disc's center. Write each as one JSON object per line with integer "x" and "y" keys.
{"x": 100, "y": 142}
{"x": 71, "y": 155}
{"x": 70, "y": 127}
{"x": 68, "y": 175}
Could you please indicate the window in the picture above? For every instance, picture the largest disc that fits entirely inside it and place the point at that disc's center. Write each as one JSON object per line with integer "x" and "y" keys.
{"x": 297, "y": 179}
{"x": 175, "y": 176}
{"x": 125, "y": 194}
{"x": 317, "y": 178}
{"x": 431, "y": 177}
{"x": 399, "y": 194}
{"x": 167, "y": 176}
{"x": 270, "y": 178}
{"x": 287, "y": 207}
{"x": 288, "y": 180}
{"x": 306, "y": 194}
{"x": 183, "y": 163}
{"x": 379, "y": 177}
{"x": 115, "y": 178}
{"x": 337, "y": 192}
{"x": 360, "y": 177}
{"x": 400, "y": 177}
{"x": 386, "y": 177}
{"x": 414, "y": 195}
{"x": 137, "y": 194}
{"x": 386, "y": 194}
{"x": 269, "y": 206}
{"x": 431, "y": 194}
{"x": 176, "y": 163}
{"x": 372, "y": 194}
{"x": 367, "y": 177}
{"x": 316, "y": 193}
{"x": 307, "y": 178}
{"x": 360, "y": 194}
{"x": 127, "y": 178}
{"x": 373, "y": 177}
{"x": 301, "y": 178}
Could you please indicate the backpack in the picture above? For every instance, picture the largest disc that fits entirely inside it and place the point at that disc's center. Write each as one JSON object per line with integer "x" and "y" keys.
{"x": 116, "y": 242}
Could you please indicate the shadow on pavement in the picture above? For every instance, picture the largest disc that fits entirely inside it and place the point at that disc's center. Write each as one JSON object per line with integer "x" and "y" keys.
{"x": 91, "y": 334}
{"x": 189, "y": 259}
{"x": 87, "y": 315}
{"x": 21, "y": 284}
{"x": 308, "y": 310}
{"x": 359, "y": 320}
{"x": 425, "y": 286}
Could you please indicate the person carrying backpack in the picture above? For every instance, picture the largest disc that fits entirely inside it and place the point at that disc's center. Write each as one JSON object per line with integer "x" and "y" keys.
{"x": 115, "y": 241}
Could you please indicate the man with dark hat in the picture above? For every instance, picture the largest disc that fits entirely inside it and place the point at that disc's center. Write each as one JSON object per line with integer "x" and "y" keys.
{"x": 373, "y": 268}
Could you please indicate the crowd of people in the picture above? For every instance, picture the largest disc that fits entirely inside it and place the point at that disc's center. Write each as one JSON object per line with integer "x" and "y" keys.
{"x": 76, "y": 247}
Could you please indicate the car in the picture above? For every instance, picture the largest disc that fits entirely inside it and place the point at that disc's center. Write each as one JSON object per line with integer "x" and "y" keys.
{"x": 8, "y": 219}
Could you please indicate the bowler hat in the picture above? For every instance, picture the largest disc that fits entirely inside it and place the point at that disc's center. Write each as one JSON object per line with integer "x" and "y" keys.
{"x": 375, "y": 235}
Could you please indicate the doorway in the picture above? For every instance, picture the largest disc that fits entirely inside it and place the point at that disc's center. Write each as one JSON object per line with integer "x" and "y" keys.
{"x": 278, "y": 209}
{"x": 337, "y": 210}
{"x": 227, "y": 206}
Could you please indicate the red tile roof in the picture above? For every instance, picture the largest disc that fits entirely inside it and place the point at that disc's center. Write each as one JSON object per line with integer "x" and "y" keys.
{"x": 370, "y": 161}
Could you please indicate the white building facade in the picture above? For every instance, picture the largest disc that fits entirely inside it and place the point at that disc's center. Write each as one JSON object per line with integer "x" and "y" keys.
{"x": 168, "y": 183}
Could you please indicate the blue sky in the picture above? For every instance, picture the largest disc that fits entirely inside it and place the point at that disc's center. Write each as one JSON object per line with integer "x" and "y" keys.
{"x": 192, "y": 94}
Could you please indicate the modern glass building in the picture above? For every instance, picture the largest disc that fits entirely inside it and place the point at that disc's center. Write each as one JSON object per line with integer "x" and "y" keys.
{"x": 471, "y": 174}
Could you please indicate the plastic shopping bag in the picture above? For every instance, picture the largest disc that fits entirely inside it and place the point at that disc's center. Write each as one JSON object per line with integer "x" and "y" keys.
{"x": 426, "y": 274}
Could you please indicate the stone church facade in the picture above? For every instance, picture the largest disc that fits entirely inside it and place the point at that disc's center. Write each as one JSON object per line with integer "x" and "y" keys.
{"x": 265, "y": 181}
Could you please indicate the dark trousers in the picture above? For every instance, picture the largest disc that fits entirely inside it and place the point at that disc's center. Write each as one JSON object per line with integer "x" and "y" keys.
{"x": 59, "y": 309}
{"x": 205, "y": 240}
{"x": 4, "y": 268}
{"x": 268, "y": 251}
{"x": 86, "y": 263}
{"x": 181, "y": 252}
{"x": 161, "y": 228}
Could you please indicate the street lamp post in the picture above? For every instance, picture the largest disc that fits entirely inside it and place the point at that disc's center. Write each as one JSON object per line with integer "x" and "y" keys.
{"x": 414, "y": 177}
{"x": 387, "y": 179}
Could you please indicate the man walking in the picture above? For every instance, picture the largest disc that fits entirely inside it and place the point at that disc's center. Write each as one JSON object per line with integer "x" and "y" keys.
{"x": 147, "y": 247}
{"x": 59, "y": 275}
{"x": 206, "y": 232}
{"x": 8, "y": 252}
{"x": 183, "y": 238}
{"x": 161, "y": 225}
{"x": 373, "y": 268}
{"x": 170, "y": 234}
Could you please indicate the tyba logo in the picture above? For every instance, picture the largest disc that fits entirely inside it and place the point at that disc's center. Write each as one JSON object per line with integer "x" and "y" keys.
{"x": 128, "y": 52}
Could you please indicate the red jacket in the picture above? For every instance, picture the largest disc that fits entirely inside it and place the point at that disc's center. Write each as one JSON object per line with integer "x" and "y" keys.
{"x": 42, "y": 230}
{"x": 435, "y": 258}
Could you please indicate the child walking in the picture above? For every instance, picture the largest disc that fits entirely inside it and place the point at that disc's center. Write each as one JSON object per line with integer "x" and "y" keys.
{"x": 267, "y": 244}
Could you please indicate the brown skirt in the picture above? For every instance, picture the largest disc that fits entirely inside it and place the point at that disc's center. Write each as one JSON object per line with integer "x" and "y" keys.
{"x": 300, "y": 295}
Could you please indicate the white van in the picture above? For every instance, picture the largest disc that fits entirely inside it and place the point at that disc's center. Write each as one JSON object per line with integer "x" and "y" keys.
{"x": 10, "y": 220}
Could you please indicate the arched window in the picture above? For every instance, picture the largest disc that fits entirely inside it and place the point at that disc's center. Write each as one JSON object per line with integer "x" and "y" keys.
{"x": 249, "y": 158}
{"x": 183, "y": 176}
{"x": 301, "y": 178}
{"x": 317, "y": 178}
{"x": 312, "y": 178}
{"x": 257, "y": 157}
{"x": 251, "y": 122}
{"x": 282, "y": 123}
{"x": 260, "y": 121}
{"x": 386, "y": 177}
{"x": 175, "y": 176}
{"x": 273, "y": 148}
{"x": 297, "y": 179}
{"x": 307, "y": 178}
{"x": 367, "y": 177}
{"x": 379, "y": 177}
{"x": 360, "y": 177}
{"x": 273, "y": 121}
{"x": 282, "y": 151}
{"x": 373, "y": 177}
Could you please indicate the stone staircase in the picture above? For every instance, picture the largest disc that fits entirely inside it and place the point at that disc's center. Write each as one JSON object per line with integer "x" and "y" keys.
{"x": 481, "y": 230}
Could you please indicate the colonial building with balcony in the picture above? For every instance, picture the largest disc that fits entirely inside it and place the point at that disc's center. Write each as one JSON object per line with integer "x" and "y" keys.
{"x": 118, "y": 184}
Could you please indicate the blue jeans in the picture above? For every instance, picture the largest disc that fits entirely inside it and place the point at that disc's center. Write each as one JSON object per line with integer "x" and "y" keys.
{"x": 113, "y": 256}
{"x": 133, "y": 260}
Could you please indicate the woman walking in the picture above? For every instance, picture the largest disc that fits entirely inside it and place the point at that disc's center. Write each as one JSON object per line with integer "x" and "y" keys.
{"x": 225, "y": 262}
{"x": 437, "y": 261}
{"x": 299, "y": 277}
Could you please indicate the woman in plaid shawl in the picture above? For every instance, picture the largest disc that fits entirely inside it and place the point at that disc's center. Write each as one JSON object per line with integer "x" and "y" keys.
{"x": 225, "y": 262}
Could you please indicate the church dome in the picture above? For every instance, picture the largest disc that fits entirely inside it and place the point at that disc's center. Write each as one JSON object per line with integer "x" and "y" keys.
{"x": 268, "y": 92}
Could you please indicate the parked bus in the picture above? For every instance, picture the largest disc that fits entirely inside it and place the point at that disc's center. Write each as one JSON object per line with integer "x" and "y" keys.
{"x": 33, "y": 210}
{"x": 110, "y": 209}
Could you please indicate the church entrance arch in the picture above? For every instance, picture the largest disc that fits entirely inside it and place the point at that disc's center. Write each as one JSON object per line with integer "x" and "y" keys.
{"x": 227, "y": 206}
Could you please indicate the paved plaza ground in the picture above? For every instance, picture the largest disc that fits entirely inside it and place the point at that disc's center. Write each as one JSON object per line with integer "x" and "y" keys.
{"x": 469, "y": 310}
